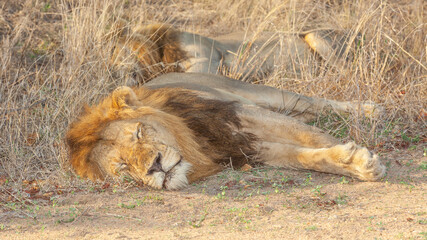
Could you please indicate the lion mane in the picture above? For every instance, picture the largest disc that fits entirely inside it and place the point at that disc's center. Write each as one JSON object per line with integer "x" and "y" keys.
{"x": 205, "y": 129}
{"x": 155, "y": 50}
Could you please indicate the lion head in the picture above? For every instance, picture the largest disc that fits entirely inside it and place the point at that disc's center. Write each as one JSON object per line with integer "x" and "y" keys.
{"x": 127, "y": 134}
{"x": 146, "y": 52}
{"x": 136, "y": 59}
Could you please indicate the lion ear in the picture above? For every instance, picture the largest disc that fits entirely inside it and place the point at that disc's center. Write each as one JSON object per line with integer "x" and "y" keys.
{"x": 119, "y": 28}
{"x": 124, "y": 97}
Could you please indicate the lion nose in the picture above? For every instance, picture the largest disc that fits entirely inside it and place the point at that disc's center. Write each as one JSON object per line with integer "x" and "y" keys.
{"x": 157, "y": 166}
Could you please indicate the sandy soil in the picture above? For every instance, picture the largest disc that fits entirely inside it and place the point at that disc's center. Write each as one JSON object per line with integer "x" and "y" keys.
{"x": 263, "y": 202}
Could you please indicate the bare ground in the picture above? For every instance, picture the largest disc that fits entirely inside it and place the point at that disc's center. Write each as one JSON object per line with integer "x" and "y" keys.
{"x": 264, "y": 202}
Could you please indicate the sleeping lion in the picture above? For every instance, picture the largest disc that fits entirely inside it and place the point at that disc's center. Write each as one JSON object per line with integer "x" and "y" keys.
{"x": 155, "y": 49}
{"x": 182, "y": 127}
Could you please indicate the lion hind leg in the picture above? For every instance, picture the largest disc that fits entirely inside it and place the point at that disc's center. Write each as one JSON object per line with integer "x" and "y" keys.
{"x": 343, "y": 159}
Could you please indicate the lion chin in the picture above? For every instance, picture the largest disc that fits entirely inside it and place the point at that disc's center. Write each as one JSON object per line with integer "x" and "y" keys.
{"x": 181, "y": 128}
{"x": 166, "y": 172}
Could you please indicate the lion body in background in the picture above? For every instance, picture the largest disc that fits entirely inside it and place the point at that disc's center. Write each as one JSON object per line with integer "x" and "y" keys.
{"x": 181, "y": 127}
{"x": 148, "y": 51}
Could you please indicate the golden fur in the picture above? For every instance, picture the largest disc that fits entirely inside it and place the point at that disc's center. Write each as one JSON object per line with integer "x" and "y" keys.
{"x": 173, "y": 132}
{"x": 84, "y": 134}
{"x": 149, "y": 52}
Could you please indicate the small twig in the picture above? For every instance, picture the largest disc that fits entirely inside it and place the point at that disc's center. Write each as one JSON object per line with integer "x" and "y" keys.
{"x": 121, "y": 216}
{"x": 81, "y": 214}
{"x": 17, "y": 198}
{"x": 407, "y": 53}
{"x": 15, "y": 209}
{"x": 199, "y": 223}
{"x": 231, "y": 163}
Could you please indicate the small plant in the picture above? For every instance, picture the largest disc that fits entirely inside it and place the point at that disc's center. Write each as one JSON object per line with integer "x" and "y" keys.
{"x": 48, "y": 214}
{"x": 410, "y": 186}
{"x": 127, "y": 179}
{"x": 233, "y": 209}
{"x": 335, "y": 124}
{"x": 423, "y": 166}
{"x": 46, "y": 7}
{"x": 422, "y": 221}
{"x": 421, "y": 213}
{"x": 285, "y": 179}
{"x": 341, "y": 199}
{"x": 71, "y": 216}
{"x": 311, "y": 228}
{"x": 388, "y": 164}
{"x": 12, "y": 206}
{"x": 221, "y": 195}
{"x": 139, "y": 202}
{"x": 406, "y": 138}
{"x": 317, "y": 191}
{"x": 244, "y": 220}
{"x": 73, "y": 212}
{"x": 127, "y": 206}
{"x": 307, "y": 180}
{"x": 413, "y": 147}
{"x": 67, "y": 220}
{"x": 276, "y": 187}
{"x": 198, "y": 223}
{"x": 343, "y": 180}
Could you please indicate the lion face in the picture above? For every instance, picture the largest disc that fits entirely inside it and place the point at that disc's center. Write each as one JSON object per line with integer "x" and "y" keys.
{"x": 145, "y": 152}
{"x": 129, "y": 134}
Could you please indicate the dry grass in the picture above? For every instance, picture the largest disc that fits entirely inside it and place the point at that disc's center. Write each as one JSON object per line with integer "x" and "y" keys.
{"x": 53, "y": 59}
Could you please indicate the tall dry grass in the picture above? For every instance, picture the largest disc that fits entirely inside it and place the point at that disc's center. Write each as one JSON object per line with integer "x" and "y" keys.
{"x": 45, "y": 81}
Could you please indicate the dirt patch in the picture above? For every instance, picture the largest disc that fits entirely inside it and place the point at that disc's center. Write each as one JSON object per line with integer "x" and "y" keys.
{"x": 264, "y": 202}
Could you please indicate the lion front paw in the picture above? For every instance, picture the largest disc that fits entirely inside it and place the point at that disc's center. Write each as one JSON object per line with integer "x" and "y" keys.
{"x": 367, "y": 166}
{"x": 370, "y": 109}
{"x": 359, "y": 161}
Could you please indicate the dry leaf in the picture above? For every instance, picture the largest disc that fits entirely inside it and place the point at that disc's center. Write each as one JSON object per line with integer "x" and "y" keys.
{"x": 246, "y": 168}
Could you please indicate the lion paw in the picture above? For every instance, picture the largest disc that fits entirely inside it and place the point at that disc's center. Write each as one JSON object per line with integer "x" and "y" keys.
{"x": 344, "y": 153}
{"x": 367, "y": 166}
{"x": 372, "y": 110}
{"x": 360, "y": 162}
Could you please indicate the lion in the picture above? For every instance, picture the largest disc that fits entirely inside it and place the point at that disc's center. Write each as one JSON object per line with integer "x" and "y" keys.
{"x": 155, "y": 49}
{"x": 182, "y": 127}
